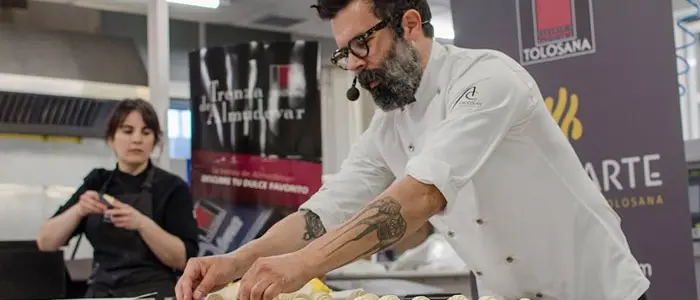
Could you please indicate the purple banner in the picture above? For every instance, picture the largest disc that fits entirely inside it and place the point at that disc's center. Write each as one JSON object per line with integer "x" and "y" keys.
{"x": 614, "y": 93}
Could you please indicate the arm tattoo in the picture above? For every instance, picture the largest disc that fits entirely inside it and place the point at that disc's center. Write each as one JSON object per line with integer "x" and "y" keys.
{"x": 314, "y": 226}
{"x": 383, "y": 218}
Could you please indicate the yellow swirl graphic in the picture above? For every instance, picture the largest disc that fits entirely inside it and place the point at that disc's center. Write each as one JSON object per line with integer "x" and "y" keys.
{"x": 566, "y": 116}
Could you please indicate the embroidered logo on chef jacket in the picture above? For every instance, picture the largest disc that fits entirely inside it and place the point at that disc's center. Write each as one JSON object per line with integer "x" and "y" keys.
{"x": 469, "y": 99}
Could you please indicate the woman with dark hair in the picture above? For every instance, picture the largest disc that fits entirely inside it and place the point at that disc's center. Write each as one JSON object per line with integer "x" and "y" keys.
{"x": 137, "y": 217}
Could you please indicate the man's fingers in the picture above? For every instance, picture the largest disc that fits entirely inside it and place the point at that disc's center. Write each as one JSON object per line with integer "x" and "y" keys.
{"x": 271, "y": 292}
{"x": 206, "y": 286}
{"x": 178, "y": 289}
{"x": 244, "y": 289}
{"x": 256, "y": 293}
{"x": 186, "y": 280}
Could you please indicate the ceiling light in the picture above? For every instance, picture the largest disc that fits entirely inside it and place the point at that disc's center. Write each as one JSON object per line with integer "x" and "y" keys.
{"x": 201, "y": 3}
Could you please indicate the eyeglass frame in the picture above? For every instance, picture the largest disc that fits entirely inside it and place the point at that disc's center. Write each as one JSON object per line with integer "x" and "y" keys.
{"x": 344, "y": 52}
{"x": 361, "y": 38}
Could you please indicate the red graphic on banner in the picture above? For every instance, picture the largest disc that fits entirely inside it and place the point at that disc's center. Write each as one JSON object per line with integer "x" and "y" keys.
{"x": 254, "y": 179}
{"x": 204, "y": 217}
{"x": 280, "y": 75}
{"x": 553, "y": 20}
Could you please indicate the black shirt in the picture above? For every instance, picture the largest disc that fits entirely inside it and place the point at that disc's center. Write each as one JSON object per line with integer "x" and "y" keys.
{"x": 172, "y": 208}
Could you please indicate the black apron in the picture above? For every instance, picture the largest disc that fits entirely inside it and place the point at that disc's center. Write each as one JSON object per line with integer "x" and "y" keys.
{"x": 123, "y": 265}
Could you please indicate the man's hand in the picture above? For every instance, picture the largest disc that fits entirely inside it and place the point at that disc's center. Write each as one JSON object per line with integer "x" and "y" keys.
{"x": 204, "y": 275}
{"x": 271, "y": 276}
{"x": 125, "y": 216}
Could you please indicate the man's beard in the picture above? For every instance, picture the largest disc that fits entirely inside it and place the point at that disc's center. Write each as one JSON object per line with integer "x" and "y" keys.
{"x": 397, "y": 79}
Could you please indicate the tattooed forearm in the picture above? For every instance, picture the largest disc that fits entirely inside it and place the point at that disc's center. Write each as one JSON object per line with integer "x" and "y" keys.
{"x": 314, "y": 227}
{"x": 381, "y": 218}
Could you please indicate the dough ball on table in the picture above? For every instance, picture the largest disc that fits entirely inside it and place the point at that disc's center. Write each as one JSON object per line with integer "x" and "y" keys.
{"x": 320, "y": 295}
{"x": 285, "y": 296}
{"x": 368, "y": 296}
{"x": 215, "y": 296}
{"x": 301, "y": 296}
{"x": 458, "y": 297}
{"x": 420, "y": 298}
{"x": 355, "y": 294}
{"x": 488, "y": 298}
{"x": 390, "y": 297}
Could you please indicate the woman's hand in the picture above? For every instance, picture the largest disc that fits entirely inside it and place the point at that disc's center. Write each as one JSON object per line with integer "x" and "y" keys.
{"x": 125, "y": 216}
{"x": 89, "y": 203}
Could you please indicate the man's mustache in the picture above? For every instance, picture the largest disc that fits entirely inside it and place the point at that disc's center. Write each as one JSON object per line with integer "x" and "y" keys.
{"x": 368, "y": 76}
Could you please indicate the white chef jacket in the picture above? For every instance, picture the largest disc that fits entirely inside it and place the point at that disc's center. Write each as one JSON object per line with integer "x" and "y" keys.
{"x": 521, "y": 211}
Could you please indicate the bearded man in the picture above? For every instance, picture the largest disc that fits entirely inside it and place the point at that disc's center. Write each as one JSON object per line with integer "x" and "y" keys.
{"x": 461, "y": 139}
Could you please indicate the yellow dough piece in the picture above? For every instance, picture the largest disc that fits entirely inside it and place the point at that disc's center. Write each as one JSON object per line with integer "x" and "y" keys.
{"x": 318, "y": 286}
{"x": 488, "y": 298}
{"x": 390, "y": 297}
{"x": 109, "y": 199}
{"x": 420, "y": 298}
{"x": 458, "y": 297}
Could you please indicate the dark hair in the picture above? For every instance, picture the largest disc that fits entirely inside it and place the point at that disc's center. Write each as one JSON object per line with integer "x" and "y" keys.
{"x": 124, "y": 108}
{"x": 382, "y": 9}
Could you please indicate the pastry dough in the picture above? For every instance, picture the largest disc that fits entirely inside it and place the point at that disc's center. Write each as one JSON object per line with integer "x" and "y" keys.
{"x": 301, "y": 296}
{"x": 368, "y": 296}
{"x": 320, "y": 295}
{"x": 215, "y": 296}
{"x": 487, "y": 298}
{"x": 420, "y": 298}
{"x": 458, "y": 297}
{"x": 354, "y": 295}
{"x": 390, "y": 297}
{"x": 285, "y": 296}
{"x": 109, "y": 199}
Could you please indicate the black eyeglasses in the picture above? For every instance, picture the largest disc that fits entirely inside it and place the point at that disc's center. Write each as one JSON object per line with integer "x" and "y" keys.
{"x": 358, "y": 46}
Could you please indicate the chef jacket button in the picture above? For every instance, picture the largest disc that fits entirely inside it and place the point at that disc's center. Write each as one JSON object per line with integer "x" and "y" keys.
{"x": 478, "y": 273}
{"x": 451, "y": 233}
{"x": 539, "y": 295}
{"x": 410, "y": 148}
{"x": 479, "y": 221}
{"x": 509, "y": 259}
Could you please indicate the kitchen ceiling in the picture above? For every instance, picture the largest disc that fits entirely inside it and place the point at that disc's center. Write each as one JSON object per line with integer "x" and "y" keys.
{"x": 293, "y": 16}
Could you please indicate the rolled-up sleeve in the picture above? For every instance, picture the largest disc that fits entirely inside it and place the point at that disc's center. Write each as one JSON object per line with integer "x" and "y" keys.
{"x": 483, "y": 105}
{"x": 363, "y": 176}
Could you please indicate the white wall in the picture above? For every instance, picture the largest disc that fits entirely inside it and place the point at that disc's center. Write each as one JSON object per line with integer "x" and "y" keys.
{"x": 343, "y": 121}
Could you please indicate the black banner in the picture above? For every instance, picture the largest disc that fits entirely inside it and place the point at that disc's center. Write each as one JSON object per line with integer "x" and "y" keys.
{"x": 256, "y": 137}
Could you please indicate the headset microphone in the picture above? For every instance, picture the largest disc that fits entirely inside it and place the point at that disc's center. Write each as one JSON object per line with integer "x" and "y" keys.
{"x": 353, "y": 93}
